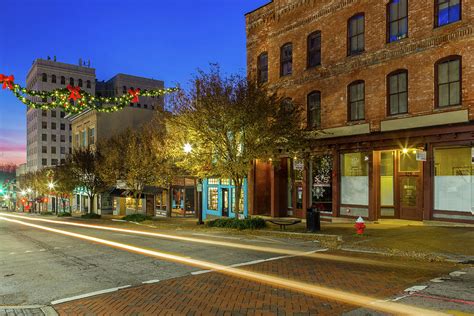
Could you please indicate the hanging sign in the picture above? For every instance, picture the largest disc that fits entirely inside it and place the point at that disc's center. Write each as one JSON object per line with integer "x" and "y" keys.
{"x": 298, "y": 165}
{"x": 421, "y": 155}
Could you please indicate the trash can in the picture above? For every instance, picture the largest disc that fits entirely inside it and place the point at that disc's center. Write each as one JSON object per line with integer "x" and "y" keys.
{"x": 313, "y": 220}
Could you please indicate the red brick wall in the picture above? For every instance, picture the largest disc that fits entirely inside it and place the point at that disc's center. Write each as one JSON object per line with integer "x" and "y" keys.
{"x": 291, "y": 21}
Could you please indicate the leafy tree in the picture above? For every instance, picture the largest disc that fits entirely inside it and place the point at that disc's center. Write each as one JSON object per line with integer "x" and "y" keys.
{"x": 64, "y": 184}
{"x": 83, "y": 167}
{"x": 229, "y": 122}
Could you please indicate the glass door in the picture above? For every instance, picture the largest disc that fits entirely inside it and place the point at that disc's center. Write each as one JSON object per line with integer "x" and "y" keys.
{"x": 410, "y": 194}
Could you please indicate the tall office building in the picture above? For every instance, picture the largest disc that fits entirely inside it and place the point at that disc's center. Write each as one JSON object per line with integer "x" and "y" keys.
{"x": 49, "y": 132}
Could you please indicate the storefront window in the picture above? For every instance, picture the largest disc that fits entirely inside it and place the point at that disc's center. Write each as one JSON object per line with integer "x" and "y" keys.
{"x": 130, "y": 203}
{"x": 212, "y": 195}
{"x": 241, "y": 204}
{"x": 454, "y": 188}
{"x": 355, "y": 179}
{"x": 213, "y": 181}
{"x": 320, "y": 183}
{"x": 161, "y": 200}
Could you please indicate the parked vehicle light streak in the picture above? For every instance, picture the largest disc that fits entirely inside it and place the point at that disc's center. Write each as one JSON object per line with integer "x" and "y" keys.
{"x": 310, "y": 289}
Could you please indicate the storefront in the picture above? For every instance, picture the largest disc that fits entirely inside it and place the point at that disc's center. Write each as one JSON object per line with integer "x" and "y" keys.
{"x": 218, "y": 198}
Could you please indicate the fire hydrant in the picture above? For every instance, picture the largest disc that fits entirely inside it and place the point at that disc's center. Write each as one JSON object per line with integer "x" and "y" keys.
{"x": 360, "y": 226}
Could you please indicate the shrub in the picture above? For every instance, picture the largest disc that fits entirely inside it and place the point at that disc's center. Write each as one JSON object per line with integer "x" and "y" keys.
{"x": 91, "y": 216}
{"x": 136, "y": 218}
{"x": 65, "y": 214}
{"x": 46, "y": 213}
{"x": 248, "y": 223}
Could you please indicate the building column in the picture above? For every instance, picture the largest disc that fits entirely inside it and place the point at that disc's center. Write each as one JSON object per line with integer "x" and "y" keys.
{"x": 428, "y": 181}
{"x": 374, "y": 185}
{"x": 336, "y": 197}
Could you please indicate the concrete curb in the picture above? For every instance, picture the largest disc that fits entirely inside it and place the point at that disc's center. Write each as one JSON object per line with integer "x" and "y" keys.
{"x": 28, "y": 309}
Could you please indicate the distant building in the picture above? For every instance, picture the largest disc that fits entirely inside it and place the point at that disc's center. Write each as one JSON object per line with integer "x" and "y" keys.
{"x": 48, "y": 132}
{"x": 387, "y": 91}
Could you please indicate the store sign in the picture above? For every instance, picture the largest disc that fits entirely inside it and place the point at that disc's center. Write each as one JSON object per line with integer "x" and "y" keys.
{"x": 298, "y": 165}
{"x": 420, "y": 155}
{"x": 199, "y": 187}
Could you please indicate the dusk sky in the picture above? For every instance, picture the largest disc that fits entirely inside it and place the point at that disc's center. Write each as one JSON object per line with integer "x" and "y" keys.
{"x": 165, "y": 40}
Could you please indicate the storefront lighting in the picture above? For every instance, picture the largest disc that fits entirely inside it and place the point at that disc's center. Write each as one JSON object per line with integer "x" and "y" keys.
{"x": 28, "y": 190}
{"x": 405, "y": 150}
{"x": 414, "y": 151}
{"x": 51, "y": 185}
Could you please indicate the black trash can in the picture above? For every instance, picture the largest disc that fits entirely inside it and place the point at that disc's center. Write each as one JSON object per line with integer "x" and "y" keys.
{"x": 313, "y": 220}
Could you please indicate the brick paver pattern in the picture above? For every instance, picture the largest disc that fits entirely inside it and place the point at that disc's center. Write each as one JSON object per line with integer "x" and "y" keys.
{"x": 217, "y": 294}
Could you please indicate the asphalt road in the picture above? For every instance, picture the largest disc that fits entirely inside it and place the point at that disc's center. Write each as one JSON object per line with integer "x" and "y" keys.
{"x": 38, "y": 267}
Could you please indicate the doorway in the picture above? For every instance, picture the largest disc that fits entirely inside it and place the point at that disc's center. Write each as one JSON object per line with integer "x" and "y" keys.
{"x": 400, "y": 185}
{"x": 225, "y": 202}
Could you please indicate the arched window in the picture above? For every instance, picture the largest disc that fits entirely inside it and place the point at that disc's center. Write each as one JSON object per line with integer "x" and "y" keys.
{"x": 314, "y": 49}
{"x": 286, "y": 59}
{"x": 448, "y": 81}
{"x": 397, "y": 88}
{"x": 53, "y": 78}
{"x": 63, "y": 80}
{"x": 355, "y": 34}
{"x": 80, "y": 82}
{"x": 314, "y": 110}
{"x": 397, "y": 14}
{"x": 44, "y": 77}
{"x": 71, "y": 81}
{"x": 447, "y": 11}
{"x": 262, "y": 68}
{"x": 356, "y": 100}
{"x": 88, "y": 84}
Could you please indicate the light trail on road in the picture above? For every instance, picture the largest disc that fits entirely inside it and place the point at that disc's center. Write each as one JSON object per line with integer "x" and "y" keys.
{"x": 305, "y": 288}
{"x": 218, "y": 243}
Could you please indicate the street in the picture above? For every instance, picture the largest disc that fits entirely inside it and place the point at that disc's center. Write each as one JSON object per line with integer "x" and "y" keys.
{"x": 40, "y": 267}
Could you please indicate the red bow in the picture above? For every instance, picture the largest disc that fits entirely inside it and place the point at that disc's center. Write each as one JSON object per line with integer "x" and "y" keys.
{"x": 134, "y": 93}
{"x": 7, "y": 81}
{"x": 75, "y": 92}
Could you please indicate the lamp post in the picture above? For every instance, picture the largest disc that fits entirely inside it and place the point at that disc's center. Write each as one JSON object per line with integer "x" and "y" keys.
{"x": 188, "y": 148}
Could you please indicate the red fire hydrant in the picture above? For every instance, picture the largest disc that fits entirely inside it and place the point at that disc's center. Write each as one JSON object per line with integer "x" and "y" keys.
{"x": 360, "y": 226}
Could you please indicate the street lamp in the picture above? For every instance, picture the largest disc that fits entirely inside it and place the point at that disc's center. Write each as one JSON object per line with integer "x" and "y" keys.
{"x": 187, "y": 148}
{"x": 28, "y": 190}
{"x": 51, "y": 185}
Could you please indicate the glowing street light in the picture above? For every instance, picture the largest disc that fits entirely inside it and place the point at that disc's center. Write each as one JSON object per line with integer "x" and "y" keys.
{"x": 23, "y": 192}
{"x": 28, "y": 190}
{"x": 51, "y": 185}
{"x": 187, "y": 148}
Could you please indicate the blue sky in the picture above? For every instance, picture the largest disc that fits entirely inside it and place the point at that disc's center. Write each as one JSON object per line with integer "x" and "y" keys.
{"x": 161, "y": 39}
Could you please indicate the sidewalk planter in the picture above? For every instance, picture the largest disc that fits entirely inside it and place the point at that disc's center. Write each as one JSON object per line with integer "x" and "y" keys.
{"x": 218, "y": 198}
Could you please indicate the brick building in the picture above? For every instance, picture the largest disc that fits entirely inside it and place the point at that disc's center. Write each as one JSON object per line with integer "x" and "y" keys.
{"x": 388, "y": 89}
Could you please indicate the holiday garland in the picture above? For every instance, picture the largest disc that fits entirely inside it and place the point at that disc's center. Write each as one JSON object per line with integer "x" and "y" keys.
{"x": 74, "y": 100}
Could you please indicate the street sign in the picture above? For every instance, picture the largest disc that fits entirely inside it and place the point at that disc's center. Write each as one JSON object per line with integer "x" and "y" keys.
{"x": 199, "y": 187}
{"x": 420, "y": 155}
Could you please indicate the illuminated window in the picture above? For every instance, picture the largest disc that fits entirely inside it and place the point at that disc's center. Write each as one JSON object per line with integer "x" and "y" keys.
{"x": 212, "y": 199}
{"x": 447, "y": 11}
{"x": 213, "y": 181}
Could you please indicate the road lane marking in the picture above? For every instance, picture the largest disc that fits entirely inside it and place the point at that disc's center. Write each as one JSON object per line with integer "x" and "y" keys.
{"x": 305, "y": 288}
{"x": 281, "y": 251}
{"x": 150, "y": 281}
{"x": 78, "y": 297}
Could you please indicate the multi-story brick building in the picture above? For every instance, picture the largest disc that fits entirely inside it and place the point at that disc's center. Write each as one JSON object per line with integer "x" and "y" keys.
{"x": 388, "y": 90}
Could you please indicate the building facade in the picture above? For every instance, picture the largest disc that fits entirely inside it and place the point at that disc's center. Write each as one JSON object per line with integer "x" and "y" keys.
{"x": 387, "y": 88}
{"x": 48, "y": 132}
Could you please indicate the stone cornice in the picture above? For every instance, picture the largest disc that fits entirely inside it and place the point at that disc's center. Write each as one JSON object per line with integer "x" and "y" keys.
{"x": 370, "y": 59}
{"x": 273, "y": 16}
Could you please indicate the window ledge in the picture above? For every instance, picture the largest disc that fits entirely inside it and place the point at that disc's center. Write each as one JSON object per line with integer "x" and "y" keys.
{"x": 397, "y": 116}
{"x": 398, "y": 41}
{"x": 358, "y": 122}
{"x": 448, "y": 108}
{"x": 440, "y": 27}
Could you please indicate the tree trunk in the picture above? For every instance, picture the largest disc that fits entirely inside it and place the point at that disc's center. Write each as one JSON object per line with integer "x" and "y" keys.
{"x": 137, "y": 197}
{"x": 91, "y": 204}
{"x": 238, "y": 194}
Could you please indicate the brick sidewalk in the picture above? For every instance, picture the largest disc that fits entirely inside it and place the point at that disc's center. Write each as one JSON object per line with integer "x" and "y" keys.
{"x": 217, "y": 294}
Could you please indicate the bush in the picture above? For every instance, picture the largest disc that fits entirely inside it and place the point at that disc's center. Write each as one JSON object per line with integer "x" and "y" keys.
{"x": 248, "y": 223}
{"x": 65, "y": 214}
{"x": 91, "y": 216}
{"x": 136, "y": 218}
{"x": 46, "y": 213}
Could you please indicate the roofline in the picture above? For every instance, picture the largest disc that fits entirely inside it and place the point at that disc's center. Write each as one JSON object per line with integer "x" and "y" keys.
{"x": 260, "y": 7}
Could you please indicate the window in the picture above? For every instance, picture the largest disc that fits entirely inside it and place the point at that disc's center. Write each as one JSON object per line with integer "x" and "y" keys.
{"x": 84, "y": 138}
{"x": 44, "y": 162}
{"x": 88, "y": 84}
{"x": 314, "y": 110}
{"x": 62, "y": 138}
{"x": 397, "y": 12}
{"x": 124, "y": 89}
{"x": 453, "y": 181}
{"x": 53, "y": 113}
{"x": 397, "y": 83}
{"x": 71, "y": 81}
{"x": 63, "y": 161}
{"x": 63, "y": 126}
{"x": 356, "y": 41}
{"x": 63, "y": 80}
{"x": 62, "y": 114}
{"x": 53, "y": 125}
{"x": 44, "y": 77}
{"x": 44, "y": 113}
{"x": 44, "y": 124}
{"x": 356, "y": 97}
{"x": 447, "y": 11}
{"x": 53, "y": 138}
{"x": 76, "y": 140}
{"x": 63, "y": 150}
{"x": 262, "y": 68}
{"x": 314, "y": 49}
{"x": 212, "y": 199}
{"x": 44, "y": 149}
{"x": 54, "y": 162}
{"x": 53, "y": 150}
{"x": 286, "y": 59}
{"x": 53, "y": 78}
{"x": 44, "y": 137}
{"x": 355, "y": 179}
{"x": 448, "y": 85}
{"x": 91, "y": 136}
{"x": 80, "y": 82}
